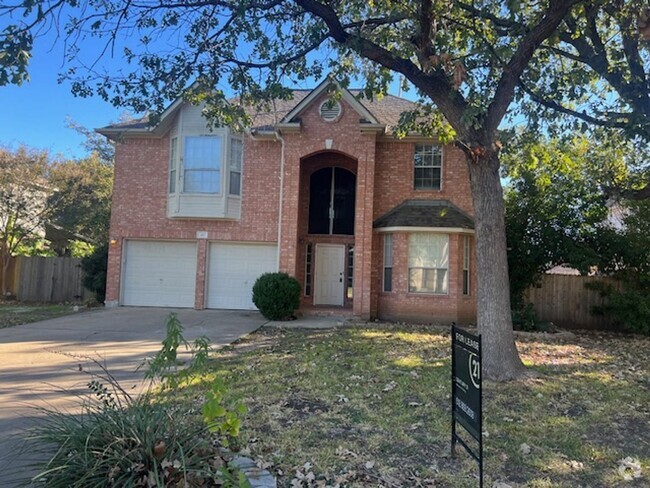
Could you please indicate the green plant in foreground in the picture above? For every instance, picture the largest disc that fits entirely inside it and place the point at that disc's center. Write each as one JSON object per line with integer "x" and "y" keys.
{"x": 164, "y": 366}
{"x": 276, "y": 295}
{"x": 219, "y": 419}
{"x": 119, "y": 440}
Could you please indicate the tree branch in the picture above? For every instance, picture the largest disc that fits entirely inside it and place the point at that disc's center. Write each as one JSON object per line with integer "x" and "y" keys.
{"x": 553, "y": 105}
{"x": 435, "y": 84}
{"x": 556, "y": 11}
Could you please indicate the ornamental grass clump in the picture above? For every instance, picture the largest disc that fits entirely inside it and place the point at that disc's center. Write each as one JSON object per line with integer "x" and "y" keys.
{"x": 276, "y": 295}
{"x": 129, "y": 441}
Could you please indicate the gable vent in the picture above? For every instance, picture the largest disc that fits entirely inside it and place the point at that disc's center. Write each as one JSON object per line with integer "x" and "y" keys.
{"x": 329, "y": 111}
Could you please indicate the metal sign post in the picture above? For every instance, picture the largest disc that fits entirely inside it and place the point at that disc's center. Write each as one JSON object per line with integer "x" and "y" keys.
{"x": 466, "y": 392}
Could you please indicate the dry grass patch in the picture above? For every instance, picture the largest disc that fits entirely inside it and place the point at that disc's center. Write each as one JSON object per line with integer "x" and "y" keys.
{"x": 12, "y": 313}
{"x": 370, "y": 406}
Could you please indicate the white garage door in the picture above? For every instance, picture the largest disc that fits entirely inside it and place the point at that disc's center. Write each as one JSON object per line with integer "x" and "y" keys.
{"x": 232, "y": 271}
{"x": 159, "y": 274}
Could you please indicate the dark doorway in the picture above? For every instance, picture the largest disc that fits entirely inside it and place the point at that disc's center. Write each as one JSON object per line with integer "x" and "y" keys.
{"x": 331, "y": 201}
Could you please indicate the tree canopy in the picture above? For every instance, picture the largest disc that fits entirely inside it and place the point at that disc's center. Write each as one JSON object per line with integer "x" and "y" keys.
{"x": 23, "y": 202}
{"x": 556, "y": 210}
{"x": 80, "y": 201}
{"x": 471, "y": 63}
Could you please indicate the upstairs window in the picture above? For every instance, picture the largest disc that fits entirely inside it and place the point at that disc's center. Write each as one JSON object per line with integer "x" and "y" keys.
{"x": 235, "y": 162}
{"x": 427, "y": 165}
{"x": 202, "y": 164}
{"x": 173, "y": 161}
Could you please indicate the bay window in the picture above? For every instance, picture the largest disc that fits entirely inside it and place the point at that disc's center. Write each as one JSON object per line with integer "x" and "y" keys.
{"x": 235, "y": 162}
{"x": 202, "y": 164}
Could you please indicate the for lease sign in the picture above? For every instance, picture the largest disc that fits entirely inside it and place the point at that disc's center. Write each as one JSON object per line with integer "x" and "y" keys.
{"x": 467, "y": 381}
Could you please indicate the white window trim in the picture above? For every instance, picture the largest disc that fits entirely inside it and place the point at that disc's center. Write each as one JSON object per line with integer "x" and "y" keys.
{"x": 224, "y": 153}
{"x": 241, "y": 166}
{"x": 442, "y": 166}
{"x": 173, "y": 165}
{"x": 438, "y": 230}
{"x": 388, "y": 238}
{"x": 466, "y": 266}
{"x": 178, "y": 164}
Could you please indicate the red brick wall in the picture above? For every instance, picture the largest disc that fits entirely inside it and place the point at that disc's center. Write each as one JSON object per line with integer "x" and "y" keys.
{"x": 394, "y": 180}
{"x": 400, "y": 304}
{"x": 139, "y": 208}
{"x": 347, "y": 139}
{"x": 384, "y": 179}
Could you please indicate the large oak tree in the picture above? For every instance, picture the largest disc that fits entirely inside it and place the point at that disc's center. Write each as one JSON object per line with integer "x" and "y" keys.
{"x": 472, "y": 64}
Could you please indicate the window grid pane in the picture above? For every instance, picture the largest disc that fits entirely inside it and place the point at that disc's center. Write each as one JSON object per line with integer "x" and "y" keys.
{"x": 428, "y": 263}
{"x": 428, "y": 280}
{"x": 201, "y": 181}
{"x": 466, "y": 250}
{"x": 427, "y": 162}
{"x": 308, "y": 265}
{"x": 235, "y": 183}
{"x": 388, "y": 262}
{"x": 202, "y": 164}
{"x": 173, "y": 154}
{"x": 235, "y": 164}
{"x": 350, "y": 270}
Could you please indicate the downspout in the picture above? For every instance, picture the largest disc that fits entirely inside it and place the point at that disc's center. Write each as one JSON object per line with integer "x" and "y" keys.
{"x": 281, "y": 139}
{"x": 278, "y": 137}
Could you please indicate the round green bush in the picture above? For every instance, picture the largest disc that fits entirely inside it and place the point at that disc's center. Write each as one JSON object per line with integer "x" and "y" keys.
{"x": 277, "y": 295}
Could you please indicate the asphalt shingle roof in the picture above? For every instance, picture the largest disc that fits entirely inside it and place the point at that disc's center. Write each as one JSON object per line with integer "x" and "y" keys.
{"x": 387, "y": 111}
{"x": 425, "y": 213}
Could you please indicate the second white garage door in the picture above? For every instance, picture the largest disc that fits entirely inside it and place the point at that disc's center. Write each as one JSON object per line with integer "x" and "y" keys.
{"x": 159, "y": 274}
{"x": 232, "y": 271}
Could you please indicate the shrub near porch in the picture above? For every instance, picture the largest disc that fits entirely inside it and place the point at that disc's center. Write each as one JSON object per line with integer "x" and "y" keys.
{"x": 370, "y": 406}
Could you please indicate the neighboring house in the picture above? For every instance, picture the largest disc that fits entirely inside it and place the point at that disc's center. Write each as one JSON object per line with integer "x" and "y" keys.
{"x": 368, "y": 224}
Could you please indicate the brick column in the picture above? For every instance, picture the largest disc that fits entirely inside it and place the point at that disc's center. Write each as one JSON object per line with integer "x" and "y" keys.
{"x": 113, "y": 272}
{"x": 363, "y": 230}
{"x": 290, "y": 207}
{"x": 201, "y": 264}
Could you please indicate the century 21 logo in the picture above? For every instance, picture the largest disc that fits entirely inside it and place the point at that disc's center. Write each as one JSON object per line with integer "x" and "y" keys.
{"x": 474, "y": 369}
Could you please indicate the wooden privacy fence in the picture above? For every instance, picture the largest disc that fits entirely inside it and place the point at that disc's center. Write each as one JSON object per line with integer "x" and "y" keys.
{"x": 567, "y": 302}
{"x": 48, "y": 279}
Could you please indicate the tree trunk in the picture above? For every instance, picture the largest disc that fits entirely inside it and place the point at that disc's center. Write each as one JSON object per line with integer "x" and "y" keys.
{"x": 6, "y": 259}
{"x": 501, "y": 360}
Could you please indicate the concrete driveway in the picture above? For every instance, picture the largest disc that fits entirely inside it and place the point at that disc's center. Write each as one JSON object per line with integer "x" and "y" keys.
{"x": 45, "y": 364}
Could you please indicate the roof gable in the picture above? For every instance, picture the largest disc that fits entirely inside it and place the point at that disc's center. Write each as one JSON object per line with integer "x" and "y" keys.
{"x": 350, "y": 99}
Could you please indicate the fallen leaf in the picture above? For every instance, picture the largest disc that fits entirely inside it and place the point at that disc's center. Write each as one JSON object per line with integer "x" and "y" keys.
{"x": 629, "y": 468}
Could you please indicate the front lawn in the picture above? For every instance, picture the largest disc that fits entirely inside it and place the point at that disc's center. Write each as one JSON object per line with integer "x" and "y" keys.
{"x": 370, "y": 406}
{"x": 12, "y": 313}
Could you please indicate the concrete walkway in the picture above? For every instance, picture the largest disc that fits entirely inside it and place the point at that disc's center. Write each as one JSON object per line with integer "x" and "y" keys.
{"x": 45, "y": 364}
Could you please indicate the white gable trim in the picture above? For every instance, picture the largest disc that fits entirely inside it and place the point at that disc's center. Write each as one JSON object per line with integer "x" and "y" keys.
{"x": 345, "y": 94}
{"x": 443, "y": 230}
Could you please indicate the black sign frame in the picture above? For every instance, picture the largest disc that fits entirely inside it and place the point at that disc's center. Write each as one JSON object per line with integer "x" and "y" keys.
{"x": 467, "y": 392}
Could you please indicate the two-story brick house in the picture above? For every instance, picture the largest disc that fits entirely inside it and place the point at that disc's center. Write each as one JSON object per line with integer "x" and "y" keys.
{"x": 368, "y": 224}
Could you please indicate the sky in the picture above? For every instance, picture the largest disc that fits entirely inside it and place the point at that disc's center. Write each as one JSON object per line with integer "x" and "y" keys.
{"x": 35, "y": 113}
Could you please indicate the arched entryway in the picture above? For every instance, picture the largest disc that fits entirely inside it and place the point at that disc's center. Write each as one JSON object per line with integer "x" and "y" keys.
{"x": 331, "y": 201}
{"x": 328, "y": 186}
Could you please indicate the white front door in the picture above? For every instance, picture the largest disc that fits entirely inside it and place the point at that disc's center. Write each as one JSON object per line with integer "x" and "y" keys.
{"x": 329, "y": 274}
